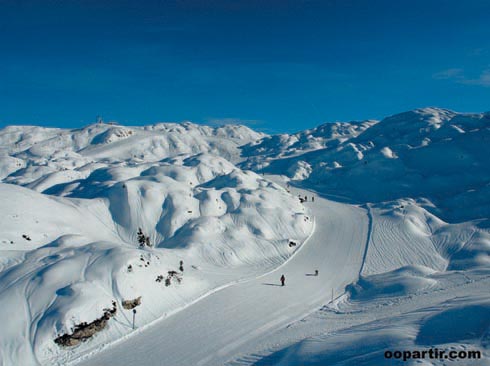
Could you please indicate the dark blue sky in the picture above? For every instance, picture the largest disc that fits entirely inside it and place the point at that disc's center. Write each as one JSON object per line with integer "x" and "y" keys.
{"x": 275, "y": 65}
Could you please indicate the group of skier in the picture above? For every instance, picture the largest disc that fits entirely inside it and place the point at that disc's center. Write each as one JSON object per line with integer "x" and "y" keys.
{"x": 283, "y": 278}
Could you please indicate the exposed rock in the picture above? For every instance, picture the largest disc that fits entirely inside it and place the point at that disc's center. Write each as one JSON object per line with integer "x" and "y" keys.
{"x": 84, "y": 330}
{"x": 131, "y": 304}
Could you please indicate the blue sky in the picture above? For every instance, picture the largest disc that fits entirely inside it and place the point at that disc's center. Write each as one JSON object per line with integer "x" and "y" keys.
{"x": 277, "y": 66}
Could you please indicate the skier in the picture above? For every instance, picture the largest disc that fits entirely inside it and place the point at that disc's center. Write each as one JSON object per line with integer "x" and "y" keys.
{"x": 181, "y": 268}
{"x": 316, "y": 272}
{"x": 283, "y": 280}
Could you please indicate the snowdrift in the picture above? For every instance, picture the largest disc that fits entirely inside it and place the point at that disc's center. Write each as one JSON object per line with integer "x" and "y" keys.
{"x": 34, "y": 153}
{"x": 427, "y": 153}
{"x": 75, "y": 204}
{"x": 64, "y": 259}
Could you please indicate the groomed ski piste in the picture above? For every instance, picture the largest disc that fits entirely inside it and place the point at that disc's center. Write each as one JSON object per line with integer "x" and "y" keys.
{"x": 242, "y": 316}
{"x": 398, "y": 232}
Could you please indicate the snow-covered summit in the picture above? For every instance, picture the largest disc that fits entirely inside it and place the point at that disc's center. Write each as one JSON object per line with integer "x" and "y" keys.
{"x": 285, "y": 145}
{"x": 428, "y": 153}
{"x": 178, "y": 212}
{"x": 31, "y": 153}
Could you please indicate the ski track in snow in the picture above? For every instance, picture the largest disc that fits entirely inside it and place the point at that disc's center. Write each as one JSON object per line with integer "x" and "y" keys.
{"x": 403, "y": 248}
{"x": 214, "y": 328}
{"x": 370, "y": 230}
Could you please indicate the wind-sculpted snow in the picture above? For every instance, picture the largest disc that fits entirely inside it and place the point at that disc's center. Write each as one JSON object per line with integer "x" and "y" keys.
{"x": 405, "y": 234}
{"x": 427, "y": 153}
{"x": 30, "y": 153}
{"x": 260, "y": 154}
{"x": 403, "y": 281}
{"x": 65, "y": 259}
{"x": 408, "y": 254}
{"x": 326, "y": 135}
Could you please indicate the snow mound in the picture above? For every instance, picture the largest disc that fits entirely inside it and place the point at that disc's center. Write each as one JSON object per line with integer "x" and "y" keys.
{"x": 427, "y": 153}
{"x": 403, "y": 281}
{"x": 456, "y": 325}
{"x": 71, "y": 256}
{"x": 325, "y": 135}
{"x": 30, "y": 153}
{"x": 405, "y": 234}
{"x": 414, "y": 154}
{"x": 401, "y": 235}
{"x": 300, "y": 170}
{"x": 112, "y": 135}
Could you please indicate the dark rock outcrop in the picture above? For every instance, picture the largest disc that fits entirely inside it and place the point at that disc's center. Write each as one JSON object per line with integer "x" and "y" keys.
{"x": 131, "y": 304}
{"x": 84, "y": 330}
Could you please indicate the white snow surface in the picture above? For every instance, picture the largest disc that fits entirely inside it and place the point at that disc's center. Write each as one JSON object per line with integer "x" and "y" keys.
{"x": 398, "y": 230}
{"x": 432, "y": 154}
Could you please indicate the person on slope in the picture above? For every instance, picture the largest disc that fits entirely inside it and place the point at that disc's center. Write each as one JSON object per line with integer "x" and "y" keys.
{"x": 283, "y": 280}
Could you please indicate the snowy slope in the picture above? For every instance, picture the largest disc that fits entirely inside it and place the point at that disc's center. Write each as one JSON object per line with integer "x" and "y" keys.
{"x": 423, "y": 285}
{"x": 402, "y": 243}
{"x": 65, "y": 259}
{"x": 42, "y": 157}
{"x": 403, "y": 295}
{"x": 272, "y": 149}
{"x": 243, "y": 315}
{"x": 284, "y": 145}
{"x": 432, "y": 154}
{"x": 449, "y": 312}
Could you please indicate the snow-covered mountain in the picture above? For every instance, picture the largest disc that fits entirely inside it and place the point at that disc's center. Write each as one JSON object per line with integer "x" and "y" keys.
{"x": 65, "y": 259}
{"x": 35, "y": 152}
{"x": 432, "y": 154}
{"x": 284, "y": 145}
{"x": 108, "y": 212}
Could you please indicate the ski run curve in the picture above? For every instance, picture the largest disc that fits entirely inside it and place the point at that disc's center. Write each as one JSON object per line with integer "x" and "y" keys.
{"x": 237, "y": 319}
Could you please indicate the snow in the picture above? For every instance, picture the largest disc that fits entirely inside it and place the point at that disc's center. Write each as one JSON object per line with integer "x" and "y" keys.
{"x": 201, "y": 209}
{"x": 241, "y": 320}
{"x": 417, "y": 154}
{"x": 38, "y": 151}
{"x": 399, "y": 232}
{"x": 449, "y": 315}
